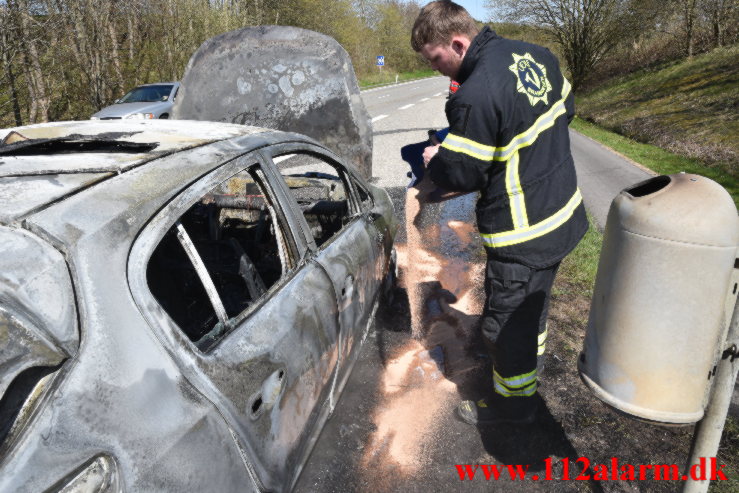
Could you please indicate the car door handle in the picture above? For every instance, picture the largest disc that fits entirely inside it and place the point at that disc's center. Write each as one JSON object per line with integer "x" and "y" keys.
{"x": 348, "y": 289}
{"x": 268, "y": 393}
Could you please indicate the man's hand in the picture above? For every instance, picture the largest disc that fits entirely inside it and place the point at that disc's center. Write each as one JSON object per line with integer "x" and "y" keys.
{"x": 429, "y": 153}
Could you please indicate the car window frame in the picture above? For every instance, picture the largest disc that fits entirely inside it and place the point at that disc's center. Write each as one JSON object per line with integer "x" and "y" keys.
{"x": 347, "y": 177}
{"x": 153, "y": 232}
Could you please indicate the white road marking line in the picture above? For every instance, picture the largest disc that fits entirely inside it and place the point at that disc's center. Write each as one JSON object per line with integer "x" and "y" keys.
{"x": 438, "y": 94}
{"x": 407, "y": 106}
{"x": 424, "y": 99}
{"x": 426, "y": 79}
{"x": 378, "y": 117}
{"x": 385, "y": 96}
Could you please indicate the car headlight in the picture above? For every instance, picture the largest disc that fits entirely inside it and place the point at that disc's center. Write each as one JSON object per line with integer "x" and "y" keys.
{"x": 94, "y": 118}
{"x": 141, "y": 116}
{"x": 99, "y": 475}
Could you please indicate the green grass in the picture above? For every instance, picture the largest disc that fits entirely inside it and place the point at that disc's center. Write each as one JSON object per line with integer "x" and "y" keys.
{"x": 657, "y": 159}
{"x": 728, "y": 453}
{"x": 388, "y": 76}
{"x": 578, "y": 269}
{"x": 687, "y": 107}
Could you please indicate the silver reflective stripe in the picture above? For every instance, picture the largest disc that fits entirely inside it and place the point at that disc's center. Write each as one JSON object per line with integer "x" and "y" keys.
{"x": 525, "y": 392}
{"x": 541, "y": 228}
{"x": 516, "y": 381}
{"x": 202, "y": 271}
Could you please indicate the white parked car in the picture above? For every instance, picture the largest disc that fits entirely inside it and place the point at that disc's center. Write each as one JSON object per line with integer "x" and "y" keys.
{"x": 145, "y": 102}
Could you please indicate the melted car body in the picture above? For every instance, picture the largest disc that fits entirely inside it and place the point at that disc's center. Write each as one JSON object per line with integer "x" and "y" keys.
{"x": 180, "y": 302}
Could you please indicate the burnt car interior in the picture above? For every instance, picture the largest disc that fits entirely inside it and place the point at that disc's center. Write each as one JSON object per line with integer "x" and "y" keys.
{"x": 241, "y": 245}
{"x": 321, "y": 191}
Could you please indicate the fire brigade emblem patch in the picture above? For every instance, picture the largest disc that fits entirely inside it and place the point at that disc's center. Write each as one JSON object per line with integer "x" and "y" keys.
{"x": 531, "y": 78}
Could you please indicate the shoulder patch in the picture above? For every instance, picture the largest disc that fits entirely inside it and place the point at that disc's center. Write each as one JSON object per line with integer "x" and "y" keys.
{"x": 531, "y": 78}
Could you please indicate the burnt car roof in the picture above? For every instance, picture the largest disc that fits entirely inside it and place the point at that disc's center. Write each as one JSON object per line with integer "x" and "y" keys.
{"x": 62, "y": 159}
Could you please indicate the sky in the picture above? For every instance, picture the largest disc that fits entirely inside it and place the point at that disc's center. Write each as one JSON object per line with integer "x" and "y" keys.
{"x": 476, "y": 8}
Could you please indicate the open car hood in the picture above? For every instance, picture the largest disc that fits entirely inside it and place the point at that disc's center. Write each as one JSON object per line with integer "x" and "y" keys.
{"x": 284, "y": 78}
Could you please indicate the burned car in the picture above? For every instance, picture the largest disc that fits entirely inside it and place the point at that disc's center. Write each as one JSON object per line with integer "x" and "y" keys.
{"x": 181, "y": 303}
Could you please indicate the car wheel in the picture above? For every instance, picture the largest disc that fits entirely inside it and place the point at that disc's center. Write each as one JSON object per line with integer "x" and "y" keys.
{"x": 164, "y": 116}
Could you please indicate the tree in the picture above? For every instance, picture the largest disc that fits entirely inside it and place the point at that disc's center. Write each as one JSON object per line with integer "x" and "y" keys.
{"x": 689, "y": 14}
{"x": 393, "y": 32}
{"x": 721, "y": 14}
{"x": 8, "y": 49}
{"x": 585, "y": 30}
{"x": 65, "y": 59}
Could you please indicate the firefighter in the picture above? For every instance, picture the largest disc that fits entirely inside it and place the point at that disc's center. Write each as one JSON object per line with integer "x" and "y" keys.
{"x": 508, "y": 139}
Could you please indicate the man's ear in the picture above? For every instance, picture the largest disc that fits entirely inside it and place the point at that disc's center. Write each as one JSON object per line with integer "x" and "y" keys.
{"x": 459, "y": 45}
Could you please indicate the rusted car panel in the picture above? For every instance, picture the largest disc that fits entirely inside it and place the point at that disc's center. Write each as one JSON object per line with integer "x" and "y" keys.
{"x": 284, "y": 78}
{"x": 157, "y": 394}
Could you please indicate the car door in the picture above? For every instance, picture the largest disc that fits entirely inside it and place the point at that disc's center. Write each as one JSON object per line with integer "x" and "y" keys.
{"x": 340, "y": 235}
{"x": 252, "y": 324}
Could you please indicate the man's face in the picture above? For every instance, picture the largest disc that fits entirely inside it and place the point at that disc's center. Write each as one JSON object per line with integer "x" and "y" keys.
{"x": 446, "y": 58}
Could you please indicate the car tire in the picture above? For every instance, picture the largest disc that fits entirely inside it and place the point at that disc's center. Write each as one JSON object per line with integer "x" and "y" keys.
{"x": 164, "y": 116}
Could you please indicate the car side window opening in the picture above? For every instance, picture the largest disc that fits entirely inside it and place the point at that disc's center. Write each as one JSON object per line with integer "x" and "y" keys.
{"x": 219, "y": 258}
{"x": 364, "y": 196}
{"x": 320, "y": 188}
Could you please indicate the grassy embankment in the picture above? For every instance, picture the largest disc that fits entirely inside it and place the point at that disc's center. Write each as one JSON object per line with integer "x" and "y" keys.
{"x": 687, "y": 108}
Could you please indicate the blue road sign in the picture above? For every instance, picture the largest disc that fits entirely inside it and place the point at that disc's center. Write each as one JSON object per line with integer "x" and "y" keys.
{"x": 380, "y": 60}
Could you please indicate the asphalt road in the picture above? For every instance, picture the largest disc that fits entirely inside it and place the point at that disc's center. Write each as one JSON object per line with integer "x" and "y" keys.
{"x": 602, "y": 174}
{"x": 394, "y": 428}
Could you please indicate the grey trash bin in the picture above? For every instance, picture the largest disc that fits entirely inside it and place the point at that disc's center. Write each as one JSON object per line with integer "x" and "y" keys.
{"x": 659, "y": 309}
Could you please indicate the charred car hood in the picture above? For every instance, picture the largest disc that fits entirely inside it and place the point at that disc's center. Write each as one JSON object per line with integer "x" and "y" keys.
{"x": 284, "y": 78}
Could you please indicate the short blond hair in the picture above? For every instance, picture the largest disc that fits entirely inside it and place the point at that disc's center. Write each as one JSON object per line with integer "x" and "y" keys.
{"x": 439, "y": 21}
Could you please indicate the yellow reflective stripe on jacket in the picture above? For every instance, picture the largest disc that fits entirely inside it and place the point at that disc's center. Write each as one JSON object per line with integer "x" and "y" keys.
{"x": 484, "y": 152}
{"x": 515, "y": 193}
{"x": 509, "y": 154}
{"x": 507, "y": 238}
{"x": 470, "y": 147}
{"x": 512, "y": 179}
{"x": 542, "y": 123}
{"x": 542, "y": 342}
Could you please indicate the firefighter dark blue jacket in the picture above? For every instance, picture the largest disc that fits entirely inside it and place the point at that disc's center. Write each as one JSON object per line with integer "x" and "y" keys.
{"x": 509, "y": 140}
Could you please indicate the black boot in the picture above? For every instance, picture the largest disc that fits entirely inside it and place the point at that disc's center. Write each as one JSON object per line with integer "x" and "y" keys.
{"x": 498, "y": 410}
